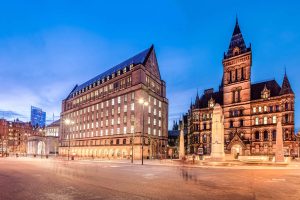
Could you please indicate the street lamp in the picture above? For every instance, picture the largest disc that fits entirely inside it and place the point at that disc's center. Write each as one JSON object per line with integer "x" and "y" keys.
{"x": 143, "y": 103}
{"x": 69, "y": 122}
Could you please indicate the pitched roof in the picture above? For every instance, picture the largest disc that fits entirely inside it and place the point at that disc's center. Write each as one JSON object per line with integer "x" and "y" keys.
{"x": 271, "y": 85}
{"x": 139, "y": 58}
{"x": 203, "y": 101}
{"x": 286, "y": 86}
{"x": 237, "y": 40}
{"x": 55, "y": 123}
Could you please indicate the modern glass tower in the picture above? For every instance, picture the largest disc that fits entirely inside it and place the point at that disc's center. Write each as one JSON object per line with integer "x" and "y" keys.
{"x": 38, "y": 117}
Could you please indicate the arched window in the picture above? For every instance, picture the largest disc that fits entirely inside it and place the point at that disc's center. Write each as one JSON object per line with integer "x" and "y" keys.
{"x": 286, "y": 106}
{"x": 256, "y": 135}
{"x": 274, "y": 135}
{"x": 266, "y": 135}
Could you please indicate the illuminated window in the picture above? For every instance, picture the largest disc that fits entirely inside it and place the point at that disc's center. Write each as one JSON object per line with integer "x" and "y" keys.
{"x": 259, "y": 109}
{"x": 149, "y": 130}
{"x": 254, "y": 109}
{"x": 132, "y": 107}
{"x": 265, "y": 120}
{"x": 256, "y": 121}
{"x": 265, "y": 109}
{"x": 125, "y": 130}
{"x": 274, "y": 119}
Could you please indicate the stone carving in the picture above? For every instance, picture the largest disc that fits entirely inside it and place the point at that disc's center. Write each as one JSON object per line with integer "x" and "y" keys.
{"x": 279, "y": 155}
{"x": 181, "y": 140}
{"x": 217, "y": 152}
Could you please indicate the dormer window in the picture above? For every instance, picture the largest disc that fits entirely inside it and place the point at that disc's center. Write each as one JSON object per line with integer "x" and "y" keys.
{"x": 125, "y": 69}
{"x": 211, "y": 103}
{"x": 236, "y": 51}
{"x": 265, "y": 94}
{"x": 107, "y": 78}
{"x": 119, "y": 72}
{"x": 130, "y": 66}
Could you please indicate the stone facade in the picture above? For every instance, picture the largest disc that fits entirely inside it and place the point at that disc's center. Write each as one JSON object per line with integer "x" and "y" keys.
{"x": 107, "y": 115}
{"x": 251, "y": 110}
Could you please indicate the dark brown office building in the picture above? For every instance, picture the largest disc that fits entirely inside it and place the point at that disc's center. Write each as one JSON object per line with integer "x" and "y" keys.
{"x": 106, "y": 113}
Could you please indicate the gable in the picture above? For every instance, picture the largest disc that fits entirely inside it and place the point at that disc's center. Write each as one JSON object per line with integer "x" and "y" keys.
{"x": 151, "y": 63}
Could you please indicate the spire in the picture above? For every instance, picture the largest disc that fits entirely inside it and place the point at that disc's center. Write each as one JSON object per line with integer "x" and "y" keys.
{"x": 286, "y": 86}
{"x": 237, "y": 44}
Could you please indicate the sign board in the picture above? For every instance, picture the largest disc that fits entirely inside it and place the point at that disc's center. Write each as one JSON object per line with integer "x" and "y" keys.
{"x": 200, "y": 151}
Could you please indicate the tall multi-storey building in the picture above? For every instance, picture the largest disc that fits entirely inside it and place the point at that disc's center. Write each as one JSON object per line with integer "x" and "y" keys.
{"x": 251, "y": 110}
{"x": 110, "y": 115}
{"x": 38, "y": 117}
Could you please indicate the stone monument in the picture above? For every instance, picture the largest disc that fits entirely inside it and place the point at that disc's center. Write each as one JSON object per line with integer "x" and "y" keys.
{"x": 217, "y": 151}
{"x": 181, "y": 140}
{"x": 279, "y": 155}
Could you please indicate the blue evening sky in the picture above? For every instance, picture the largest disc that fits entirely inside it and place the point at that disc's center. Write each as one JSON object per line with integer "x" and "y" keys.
{"x": 46, "y": 47}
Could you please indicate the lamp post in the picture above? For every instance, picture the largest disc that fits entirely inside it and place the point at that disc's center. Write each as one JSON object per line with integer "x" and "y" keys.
{"x": 69, "y": 122}
{"x": 143, "y": 103}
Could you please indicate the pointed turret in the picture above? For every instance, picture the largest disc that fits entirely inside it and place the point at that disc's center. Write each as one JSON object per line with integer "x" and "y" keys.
{"x": 237, "y": 44}
{"x": 286, "y": 86}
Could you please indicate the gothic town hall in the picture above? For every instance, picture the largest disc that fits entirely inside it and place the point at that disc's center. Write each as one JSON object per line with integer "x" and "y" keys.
{"x": 251, "y": 110}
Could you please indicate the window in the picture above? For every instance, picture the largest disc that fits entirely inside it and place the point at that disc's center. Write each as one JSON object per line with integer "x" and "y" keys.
{"x": 241, "y": 122}
{"x": 274, "y": 135}
{"x": 125, "y": 130}
{"x": 132, "y": 106}
{"x": 274, "y": 119}
{"x": 259, "y": 109}
{"x": 286, "y": 117}
{"x": 118, "y": 130}
{"x": 265, "y": 109}
{"x": 119, "y": 100}
{"x": 256, "y": 121}
{"x": 271, "y": 108}
{"x": 266, "y": 135}
{"x": 257, "y": 135}
{"x": 125, "y": 108}
{"x": 124, "y": 141}
{"x": 149, "y": 120}
{"x": 277, "y": 108}
{"x": 254, "y": 109}
{"x": 204, "y": 126}
{"x": 149, "y": 130}
{"x": 265, "y": 120}
{"x": 149, "y": 109}
{"x": 286, "y": 105}
{"x": 113, "y": 102}
{"x": 231, "y": 124}
{"x": 132, "y": 129}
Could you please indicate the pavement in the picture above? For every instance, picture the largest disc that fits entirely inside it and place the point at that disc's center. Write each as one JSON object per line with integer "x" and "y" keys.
{"x": 49, "y": 179}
